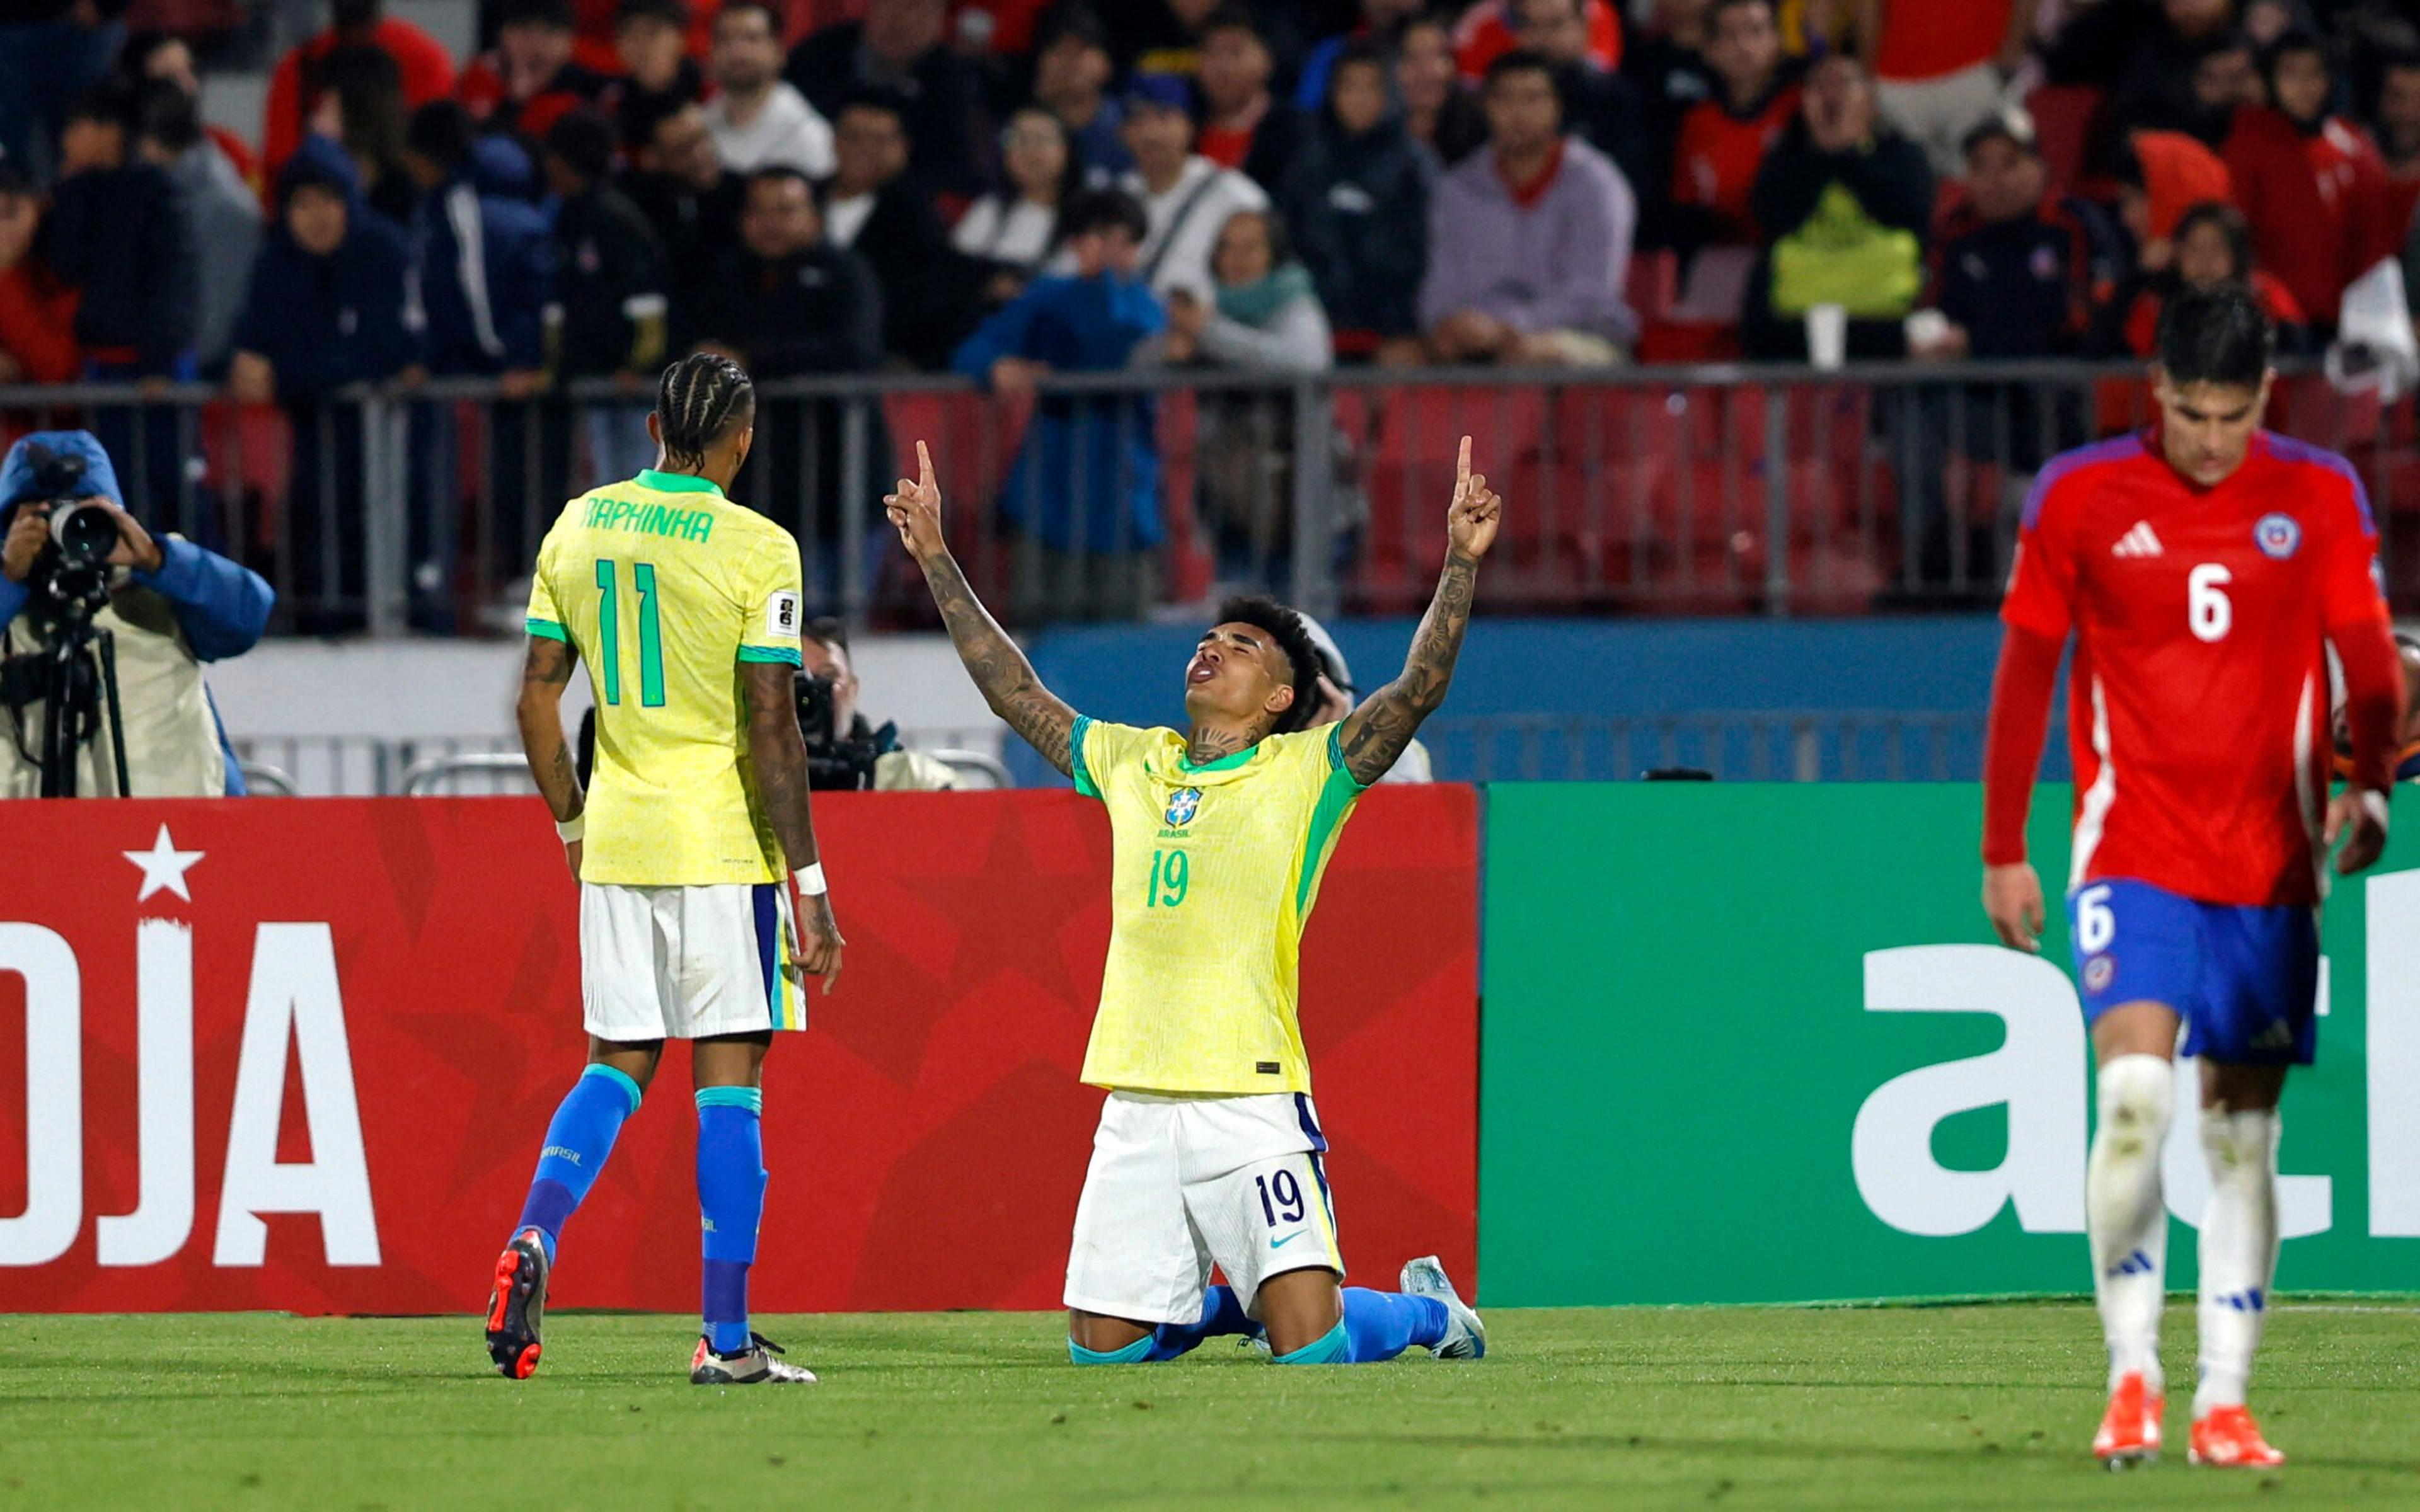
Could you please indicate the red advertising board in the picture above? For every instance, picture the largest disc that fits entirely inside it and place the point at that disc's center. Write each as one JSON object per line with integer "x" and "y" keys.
{"x": 299, "y": 1054}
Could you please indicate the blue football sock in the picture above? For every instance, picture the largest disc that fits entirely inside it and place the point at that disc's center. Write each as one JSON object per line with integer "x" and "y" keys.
{"x": 577, "y": 1143}
{"x": 1383, "y": 1324}
{"x": 731, "y": 1199}
{"x": 1222, "y": 1312}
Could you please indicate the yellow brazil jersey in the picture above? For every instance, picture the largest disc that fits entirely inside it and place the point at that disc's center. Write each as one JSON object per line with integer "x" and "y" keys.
{"x": 1215, "y": 869}
{"x": 664, "y": 587}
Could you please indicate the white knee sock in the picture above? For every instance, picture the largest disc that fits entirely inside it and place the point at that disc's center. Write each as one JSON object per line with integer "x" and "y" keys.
{"x": 2238, "y": 1249}
{"x": 2128, "y": 1224}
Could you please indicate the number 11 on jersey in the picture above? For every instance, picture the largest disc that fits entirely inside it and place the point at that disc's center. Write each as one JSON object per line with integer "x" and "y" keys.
{"x": 609, "y": 635}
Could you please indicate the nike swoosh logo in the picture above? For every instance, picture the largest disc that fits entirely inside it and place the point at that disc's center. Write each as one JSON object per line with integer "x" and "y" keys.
{"x": 1280, "y": 1243}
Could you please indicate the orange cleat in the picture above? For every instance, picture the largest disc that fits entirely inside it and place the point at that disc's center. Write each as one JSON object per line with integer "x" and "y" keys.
{"x": 2130, "y": 1431}
{"x": 2230, "y": 1436}
{"x": 518, "y": 1307}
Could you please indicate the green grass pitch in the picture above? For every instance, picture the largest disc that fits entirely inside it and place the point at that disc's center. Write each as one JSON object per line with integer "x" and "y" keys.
{"x": 1929, "y": 1407}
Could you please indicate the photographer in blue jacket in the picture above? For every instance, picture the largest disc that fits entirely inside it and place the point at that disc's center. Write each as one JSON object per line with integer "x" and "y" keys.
{"x": 72, "y": 557}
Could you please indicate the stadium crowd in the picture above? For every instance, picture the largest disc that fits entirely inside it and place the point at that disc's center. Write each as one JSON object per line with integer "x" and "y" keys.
{"x": 1531, "y": 181}
{"x": 1307, "y": 182}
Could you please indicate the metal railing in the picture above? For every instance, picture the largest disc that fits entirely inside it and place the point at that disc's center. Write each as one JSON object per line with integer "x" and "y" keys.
{"x": 1737, "y": 746}
{"x": 1754, "y": 488}
{"x": 469, "y": 765}
{"x": 1743, "y": 746}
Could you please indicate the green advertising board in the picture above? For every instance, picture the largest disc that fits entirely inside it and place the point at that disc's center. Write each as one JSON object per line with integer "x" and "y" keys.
{"x": 1751, "y": 1043}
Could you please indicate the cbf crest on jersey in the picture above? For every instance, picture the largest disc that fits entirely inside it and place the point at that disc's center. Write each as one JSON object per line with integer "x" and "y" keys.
{"x": 1183, "y": 805}
{"x": 2278, "y": 535}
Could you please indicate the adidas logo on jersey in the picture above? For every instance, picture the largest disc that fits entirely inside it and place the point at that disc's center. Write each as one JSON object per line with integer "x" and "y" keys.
{"x": 2139, "y": 542}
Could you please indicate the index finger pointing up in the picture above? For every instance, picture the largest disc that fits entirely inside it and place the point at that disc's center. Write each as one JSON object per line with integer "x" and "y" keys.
{"x": 925, "y": 465}
{"x": 1462, "y": 469}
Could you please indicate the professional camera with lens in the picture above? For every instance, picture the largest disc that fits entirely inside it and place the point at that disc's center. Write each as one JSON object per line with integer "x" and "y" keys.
{"x": 74, "y": 677}
{"x": 71, "y": 578}
{"x": 838, "y": 761}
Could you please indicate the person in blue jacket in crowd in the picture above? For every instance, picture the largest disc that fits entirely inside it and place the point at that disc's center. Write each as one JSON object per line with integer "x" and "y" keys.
{"x": 325, "y": 310}
{"x": 486, "y": 255}
{"x": 173, "y": 607}
{"x": 1084, "y": 490}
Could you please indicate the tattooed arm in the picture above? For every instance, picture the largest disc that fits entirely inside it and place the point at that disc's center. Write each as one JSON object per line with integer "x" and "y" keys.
{"x": 777, "y": 753}
{"x": 546, "y": 668}
{"x": 1377, "y": 731}
{"x": 993, "y": 661}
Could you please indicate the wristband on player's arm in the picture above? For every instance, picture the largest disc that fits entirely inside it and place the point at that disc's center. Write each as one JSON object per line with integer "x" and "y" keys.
{"x": 809, "y": 880}
{"x": 574, "y": 828}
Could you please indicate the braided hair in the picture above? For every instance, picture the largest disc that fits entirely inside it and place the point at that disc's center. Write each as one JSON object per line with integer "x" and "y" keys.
{"x": 701, "y": 398}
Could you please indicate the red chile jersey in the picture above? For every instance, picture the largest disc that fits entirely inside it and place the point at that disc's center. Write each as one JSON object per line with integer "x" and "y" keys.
{"x": 2198, "y": 701}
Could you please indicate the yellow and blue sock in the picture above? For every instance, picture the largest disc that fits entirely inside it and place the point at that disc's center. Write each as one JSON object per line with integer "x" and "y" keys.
{"x": 585, "y": 1125}
{"x": 731, "y": 1202}
{"x": 1376, "y": 1326}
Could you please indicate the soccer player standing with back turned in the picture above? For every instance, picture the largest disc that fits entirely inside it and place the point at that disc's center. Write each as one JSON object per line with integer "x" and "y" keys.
{"x": 1209, "y": 1147}
{"x": 686, "y": 607}
{"x": 2204, "y": 566}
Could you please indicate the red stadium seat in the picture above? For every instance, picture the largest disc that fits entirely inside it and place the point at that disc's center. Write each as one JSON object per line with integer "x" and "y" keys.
{"x": 1689, "y": 341}
{"x": 250, "y": 453}
{"x": 1186, "y": 559}
{"x": 1653, "y": 286}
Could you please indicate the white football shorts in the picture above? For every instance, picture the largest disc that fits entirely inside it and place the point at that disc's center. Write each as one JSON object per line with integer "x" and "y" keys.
{"x": 687, "y": 963}
{"x": 1178, "y": 1184}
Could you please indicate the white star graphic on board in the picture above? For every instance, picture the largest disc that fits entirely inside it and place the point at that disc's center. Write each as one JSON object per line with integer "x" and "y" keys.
{"x": 163, "y": 866}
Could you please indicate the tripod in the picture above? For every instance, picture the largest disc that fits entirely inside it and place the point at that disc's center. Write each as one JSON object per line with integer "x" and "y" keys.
{"x": 77, "y": 674}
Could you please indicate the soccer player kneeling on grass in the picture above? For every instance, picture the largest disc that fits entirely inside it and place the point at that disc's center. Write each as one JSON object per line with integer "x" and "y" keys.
{"x": 2204, "y": 568}
{"x": 1209, "y": 1148}
{"x": 688, "y": 846}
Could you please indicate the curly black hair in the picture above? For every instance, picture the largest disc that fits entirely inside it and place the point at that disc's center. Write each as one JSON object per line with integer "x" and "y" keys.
{"x": 1284, "y": 627}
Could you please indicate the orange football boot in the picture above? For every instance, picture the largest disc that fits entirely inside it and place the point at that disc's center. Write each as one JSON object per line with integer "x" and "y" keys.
{"x": 2230, "y": 1436}
{"x": 2130, "y": 1431}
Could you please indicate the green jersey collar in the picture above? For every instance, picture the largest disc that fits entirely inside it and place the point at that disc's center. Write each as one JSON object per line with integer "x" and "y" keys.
{"x": 679, "y": 483}
{"x": 1224, "y": 764}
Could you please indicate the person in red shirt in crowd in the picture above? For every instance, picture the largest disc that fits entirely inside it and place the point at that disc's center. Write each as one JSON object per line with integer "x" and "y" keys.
{"x": 37, "y": 340}
{"x": 2212, "y": 245}
{"x": 531, "y": 80}
{"x": 1486, "y": 34}
{"x": 1243, "y": 126}
{"x": 294, "y": 88}
{"x": 2204, "y": 568}
{"x": 1942, "y": 66}
{"x": 2310, "y": 182}
{"x": 1723, "y": 138}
